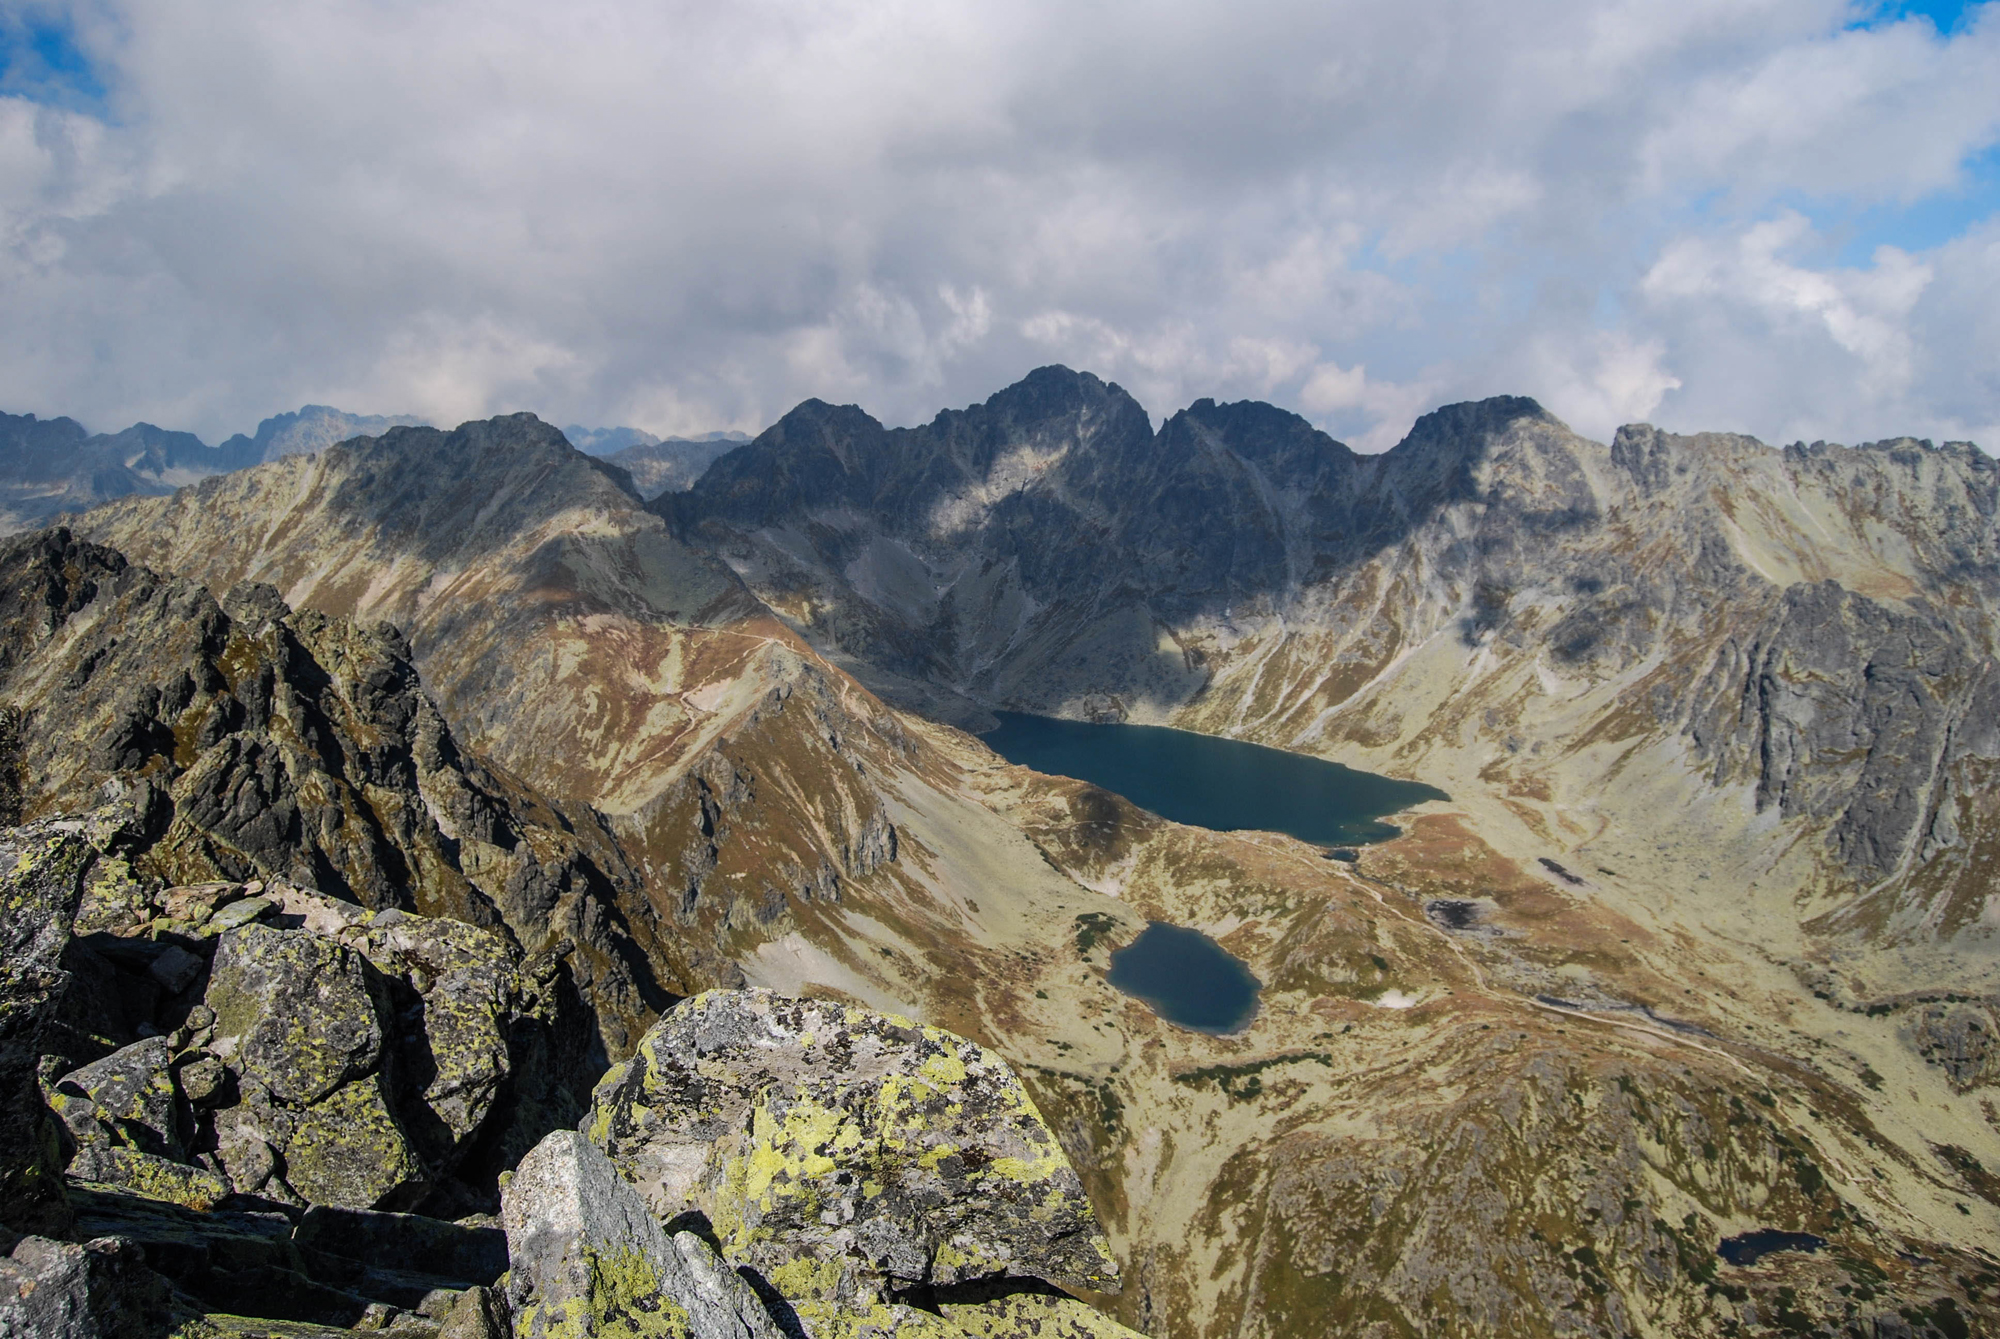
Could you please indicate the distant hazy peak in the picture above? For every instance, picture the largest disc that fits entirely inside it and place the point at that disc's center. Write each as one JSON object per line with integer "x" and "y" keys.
{"x": 313, "y": 427}
{"x": 611, "y": 441}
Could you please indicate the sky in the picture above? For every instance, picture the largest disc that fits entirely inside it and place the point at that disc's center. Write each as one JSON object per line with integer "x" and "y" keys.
{"x": 1779, "y": 217}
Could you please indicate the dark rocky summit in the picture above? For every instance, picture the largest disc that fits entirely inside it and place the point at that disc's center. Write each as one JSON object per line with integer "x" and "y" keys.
{"x": 245, "y": 741}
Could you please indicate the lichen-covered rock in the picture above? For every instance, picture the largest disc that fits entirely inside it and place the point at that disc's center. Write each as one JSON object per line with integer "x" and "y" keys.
{"x": 297, "y": 1012}
{"x": 41, "y": 884}
{"x": 847, "y": 1153}
{"x": 874, "y": 1320}
{"x": 127, "y": 1099}
{"x": 299, "y": 1019}
{"x": 317, "y": 1053}
{"x": 101, "y": 1289}
{"x": 589, "y": 1260}
{"x": 149, "y": 1175}
{"x": 1028, "y": 1313}
{"x": 466, "y": 983}
{"x": 479, "y": 1313}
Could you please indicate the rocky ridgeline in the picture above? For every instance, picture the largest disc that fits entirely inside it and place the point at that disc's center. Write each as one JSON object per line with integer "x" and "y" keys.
{"x": 251, "y": 742}
{"x": 252, "y": 1109}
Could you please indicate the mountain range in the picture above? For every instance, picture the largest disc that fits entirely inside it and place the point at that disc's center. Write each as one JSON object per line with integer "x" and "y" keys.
{"x": 1701, "y": 946}
{"x": 49, "y": 467}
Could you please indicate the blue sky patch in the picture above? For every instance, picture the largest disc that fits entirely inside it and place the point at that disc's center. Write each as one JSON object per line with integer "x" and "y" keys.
{"x": 41, "y": 60}
{"x": 1921, "y": 224}
{"x": 1946, "y": 16}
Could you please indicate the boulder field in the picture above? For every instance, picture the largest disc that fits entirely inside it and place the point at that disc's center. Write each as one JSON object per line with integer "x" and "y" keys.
{"x": 255, "y": 1110}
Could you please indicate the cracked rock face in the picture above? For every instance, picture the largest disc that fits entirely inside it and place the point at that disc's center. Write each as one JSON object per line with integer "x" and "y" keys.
{"x": 845, "y": 1153}
{"x": 99, "y": 1289}
{"x": 41, "y": 885}
{"x": 317, "y": 1053}
{"x": 126, "y": 1099}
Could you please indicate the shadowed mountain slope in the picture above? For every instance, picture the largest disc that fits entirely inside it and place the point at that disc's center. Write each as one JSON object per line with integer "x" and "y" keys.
{"x": 1496, "y": 605}
{"x": 249, "y": 740}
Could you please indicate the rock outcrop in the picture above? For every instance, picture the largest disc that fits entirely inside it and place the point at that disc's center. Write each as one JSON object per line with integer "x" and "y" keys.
{"x": 317, "y": 1053}
{"x": 252, "y": 742}
{"x": 313, "y": 1064}
{"x": 99, "y": 1289}
{"x": 848, "y": 1155}
{"x": 41, "y": 885}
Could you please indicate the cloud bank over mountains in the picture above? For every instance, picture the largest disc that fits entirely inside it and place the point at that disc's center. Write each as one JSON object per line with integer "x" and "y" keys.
{"x": 1774, "y": 216}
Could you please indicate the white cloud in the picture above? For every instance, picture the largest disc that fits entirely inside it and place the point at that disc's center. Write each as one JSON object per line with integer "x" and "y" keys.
{"x": 1863, "y": 311}
{"x": 1598, "y": 379}
{"x": 690, "y": 216}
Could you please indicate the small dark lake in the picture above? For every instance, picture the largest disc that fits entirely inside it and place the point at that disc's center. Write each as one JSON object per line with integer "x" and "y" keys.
{"x": 1750, "y": 1247}
{"x": 1223, "y": 784}
{"x": 1186, "y": 978}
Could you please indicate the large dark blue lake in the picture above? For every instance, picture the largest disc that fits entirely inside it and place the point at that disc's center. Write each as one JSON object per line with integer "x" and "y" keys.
{"x": 1224, "y": 784}
{"x": 1186, "y": 978}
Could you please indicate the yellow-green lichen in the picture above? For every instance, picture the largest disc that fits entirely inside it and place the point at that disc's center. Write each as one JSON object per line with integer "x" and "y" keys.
{"x": 805, "y": 1276}
{"x": 879, "y": 1320}
{"x": 623, "y": 1298}
{"x": 347, "y": 1148}
{"x": 944, "y": 1070}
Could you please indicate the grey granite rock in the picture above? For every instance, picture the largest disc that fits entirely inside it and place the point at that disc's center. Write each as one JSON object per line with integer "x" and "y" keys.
{"x": 1962, "y": 1039}
{"x": 299, "y": 1019}
{"x": 41, "y": 885}
{"x": 130, "y": 1095}
{"x": 98, "y": 1289}
{"x": 150, "y": 1175}
{"x": 590, "y": 1261}
{"x": 479, "y": 1313}
{"x": 409, "y": 1242}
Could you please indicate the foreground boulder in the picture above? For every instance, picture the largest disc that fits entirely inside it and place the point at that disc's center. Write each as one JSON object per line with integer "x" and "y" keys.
{"x": 98, "y": 1289}
{"x": 41, "y": 884}
{"x": 299, "y": 1019}
{"x": 847, "y": 1155}
{"x": 589, "y": 1260}
{"x": 276, "y": 1042}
